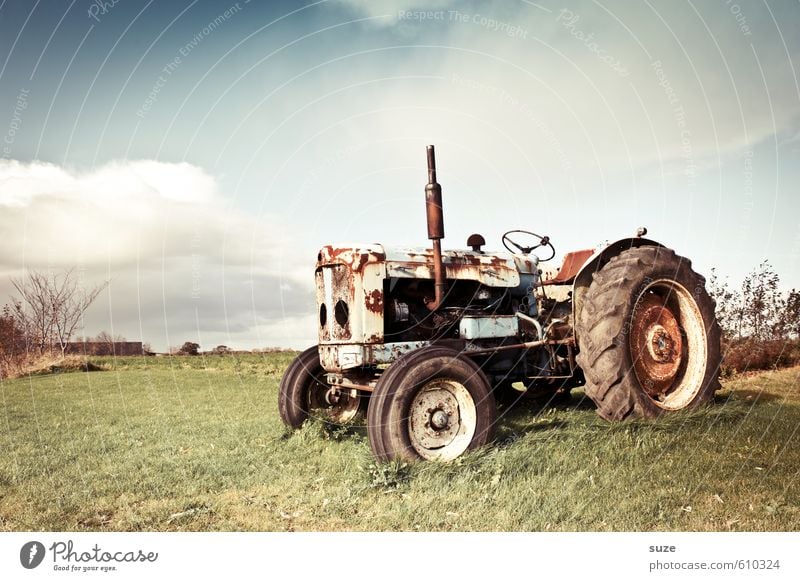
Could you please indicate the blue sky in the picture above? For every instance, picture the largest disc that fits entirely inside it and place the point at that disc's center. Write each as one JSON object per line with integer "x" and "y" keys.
{"x": 198, "y": 153}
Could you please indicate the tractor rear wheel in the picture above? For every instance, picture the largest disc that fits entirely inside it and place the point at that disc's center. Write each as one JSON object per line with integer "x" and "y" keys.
{"x": 431, "y": 404}
{"x": 648, "y": 336}
{"x": 304, "y": 393}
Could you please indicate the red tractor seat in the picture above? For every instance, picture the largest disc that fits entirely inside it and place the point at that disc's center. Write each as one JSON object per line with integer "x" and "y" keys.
{"x": 573, "y": 261}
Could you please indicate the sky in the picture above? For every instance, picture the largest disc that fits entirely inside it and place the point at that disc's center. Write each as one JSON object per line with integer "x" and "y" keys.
{"x": 197, "y": 154}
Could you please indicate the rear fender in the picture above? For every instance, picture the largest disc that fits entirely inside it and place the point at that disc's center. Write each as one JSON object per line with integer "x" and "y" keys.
{"x": 585, "y": 276}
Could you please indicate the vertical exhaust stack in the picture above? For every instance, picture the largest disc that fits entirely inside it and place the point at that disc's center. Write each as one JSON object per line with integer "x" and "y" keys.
{"x": 433, "y": 210}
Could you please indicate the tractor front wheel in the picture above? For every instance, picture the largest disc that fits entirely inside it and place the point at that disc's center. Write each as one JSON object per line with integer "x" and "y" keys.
{"x": 431, "y": 404}
{"x": 305, "y": 393}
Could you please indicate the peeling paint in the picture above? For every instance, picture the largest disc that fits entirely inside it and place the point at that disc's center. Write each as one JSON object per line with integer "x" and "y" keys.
{"x": 373, "y": 301}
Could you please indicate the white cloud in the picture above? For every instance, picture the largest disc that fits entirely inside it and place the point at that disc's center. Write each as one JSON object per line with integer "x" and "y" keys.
{"x": 182, "y": 261}
{"x": 124, "y": 212}
{"x": 119, "y": 213}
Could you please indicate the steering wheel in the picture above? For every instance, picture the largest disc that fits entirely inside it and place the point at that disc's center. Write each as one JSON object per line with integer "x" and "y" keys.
{"x": 542, "y": 241}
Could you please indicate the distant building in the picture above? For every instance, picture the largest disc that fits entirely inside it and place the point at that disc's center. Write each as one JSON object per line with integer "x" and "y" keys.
{"x": 106, "y": 348}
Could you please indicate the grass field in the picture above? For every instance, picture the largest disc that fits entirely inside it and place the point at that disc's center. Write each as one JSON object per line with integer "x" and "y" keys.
{"x": 196, "y": 444}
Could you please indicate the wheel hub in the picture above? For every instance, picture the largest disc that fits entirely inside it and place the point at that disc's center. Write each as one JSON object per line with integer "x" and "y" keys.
{"x": 656, "y": 344}
{"x": 660, "y": 345}
{"x": 332, "y": 404}
{"x": 441, "y": 419}
{"x": 332, "y": 396}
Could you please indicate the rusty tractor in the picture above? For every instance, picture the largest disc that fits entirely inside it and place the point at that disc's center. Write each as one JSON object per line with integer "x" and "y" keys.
{"x": 424, "y": 341}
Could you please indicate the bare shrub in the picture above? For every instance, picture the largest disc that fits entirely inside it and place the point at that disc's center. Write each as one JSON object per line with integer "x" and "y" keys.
{"x": 50, "y": 308}
{"x": 740, "y": 355}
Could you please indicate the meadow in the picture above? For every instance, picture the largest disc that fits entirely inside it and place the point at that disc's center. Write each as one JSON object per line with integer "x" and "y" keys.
{"x": 195, "y": 443}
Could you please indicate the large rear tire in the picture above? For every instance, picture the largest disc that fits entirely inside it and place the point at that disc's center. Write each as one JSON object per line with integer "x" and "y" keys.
{"x": 304, "y": 394}
{"x": 431, "y": 404}
{"x": 648, "y": 336}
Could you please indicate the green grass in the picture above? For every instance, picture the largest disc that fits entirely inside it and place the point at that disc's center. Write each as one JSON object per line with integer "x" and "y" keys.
{"x": 196, "y": 444}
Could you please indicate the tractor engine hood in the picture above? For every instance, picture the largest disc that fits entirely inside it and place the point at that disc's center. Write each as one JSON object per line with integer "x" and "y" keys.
{"x": 490, "y": 269}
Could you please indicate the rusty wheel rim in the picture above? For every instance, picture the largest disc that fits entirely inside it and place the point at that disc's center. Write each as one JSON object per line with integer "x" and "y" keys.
{"x": 340, "y": 408}
{"x": 442, "y": 420}
{"x": 668, "y": 344}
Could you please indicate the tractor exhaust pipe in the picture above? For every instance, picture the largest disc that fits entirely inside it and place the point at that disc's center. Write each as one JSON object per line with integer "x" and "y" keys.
{"x": 433, "y": 209}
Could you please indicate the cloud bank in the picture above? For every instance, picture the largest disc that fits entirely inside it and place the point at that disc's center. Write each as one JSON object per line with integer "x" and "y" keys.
{"x": 183, "y": 263}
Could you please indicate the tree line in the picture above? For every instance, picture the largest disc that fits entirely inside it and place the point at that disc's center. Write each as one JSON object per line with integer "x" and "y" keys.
{"x": 760, "y": 322}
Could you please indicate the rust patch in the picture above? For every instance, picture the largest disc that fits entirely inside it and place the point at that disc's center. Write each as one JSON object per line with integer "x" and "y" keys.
{"x": 473, "y": 260}
{"x": 455, "y": 259}
{"x": 373, "y": 301}
{"x": 353, "y": 257}
{"x": 656, "y": 344}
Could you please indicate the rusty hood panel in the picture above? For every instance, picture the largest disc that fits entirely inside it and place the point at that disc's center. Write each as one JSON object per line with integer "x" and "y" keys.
{"x": 496, "y": 270}
{"x": 491, "y": 269}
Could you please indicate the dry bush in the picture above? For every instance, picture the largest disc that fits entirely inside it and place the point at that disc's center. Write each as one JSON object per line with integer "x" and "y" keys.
{"x": 760, "y": 322}
{"x": 47, "y": 364}
{"x": 740, "y": 355}
{"x": 13, "y": 366}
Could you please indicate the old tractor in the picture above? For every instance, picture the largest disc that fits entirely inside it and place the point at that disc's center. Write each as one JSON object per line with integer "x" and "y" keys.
{"x": 425, "y": 341}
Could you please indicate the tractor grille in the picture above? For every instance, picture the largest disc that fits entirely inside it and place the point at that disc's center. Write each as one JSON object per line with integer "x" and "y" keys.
{"x": 334, "y": 299}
